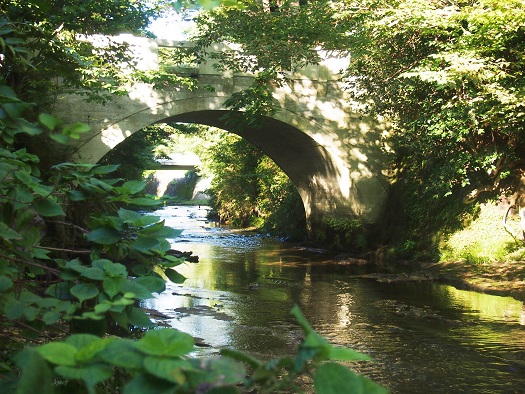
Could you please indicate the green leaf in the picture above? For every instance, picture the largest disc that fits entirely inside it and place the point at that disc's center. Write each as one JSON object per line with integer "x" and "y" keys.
{"x": 174, "y": 276}
{"x": 137, "y": 317}
{"x": 331, "y": 378}
{"x": 104, "y": 236}
{"x": 90, "y": 374}
{"x": 122, "y": 353}
{"x": 81, "y": 340}
{"x": 128, "y": 216}
{"x": 243, "y": 357}
{"x": 46, "y": 207}
{"x": 136, "y": 288}
{"x": 60, "y": 138}
{"x": 103, "y": 170}
{"x": 132, "y": 187}
{"x": 345, "y": 354}
{"x": 153, "y": 284}
{"x": 51, "y": 317}
{"x": 59, "y": 290}
{"x": 167, "y": 368}
{"x": 5, "y": 283}
{"x": 296, "y": 312}
{"x": 145, "y": 244}
{"x": 166, "y": 342}
{"x": 59, "y": 353}
{"x": 84, "y": 291}
{"x": 77, "y": 195}
{"x": 35, "y": 373}
{"x": 74, "y": 130}
{"x": 141, "y": 384}
{"x": 49, "y": 121}
{"x": 14, "y": 309}
{"x": 113, "y": 285}
{"x": 88, "y": 348}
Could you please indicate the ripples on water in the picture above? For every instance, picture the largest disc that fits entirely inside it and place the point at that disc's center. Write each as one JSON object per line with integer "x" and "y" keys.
{"x": 424, "y": 337}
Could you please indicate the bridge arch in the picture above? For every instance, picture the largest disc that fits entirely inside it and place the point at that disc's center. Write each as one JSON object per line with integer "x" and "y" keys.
{"x": 332, "y": 155}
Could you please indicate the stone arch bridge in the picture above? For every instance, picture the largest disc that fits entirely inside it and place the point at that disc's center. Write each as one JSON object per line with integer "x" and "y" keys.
{"x": 330, "y": 152}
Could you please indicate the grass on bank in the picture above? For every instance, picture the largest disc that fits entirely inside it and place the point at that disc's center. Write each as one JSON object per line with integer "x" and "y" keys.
{"x": 485, "y": 239}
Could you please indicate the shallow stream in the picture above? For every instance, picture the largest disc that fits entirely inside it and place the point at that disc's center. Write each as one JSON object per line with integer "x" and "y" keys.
{"x": 424, "y": 337}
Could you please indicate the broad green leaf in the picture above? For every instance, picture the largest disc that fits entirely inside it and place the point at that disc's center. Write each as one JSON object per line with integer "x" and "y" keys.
{"x": 90, "y": 350}
{"x": 345, "y": 354}
{"x": 154, "y": 284}
{"x": 145, "y": 244}
{"x": 5, "y": 283}
{"x": 174, "y": 276}
{"x": 129, "y": 216}
{"x": 51, "y": 317}
{"x": 59, "y": 290}
{"x": 49, "y": 121}
{"x": 102, "y": 308}
{"x": 166, "y": 342}
{"x": 76, "y": 195}
{"x": 35, "y": 373}
{"x": 371, "y": 387}
{"x": 110, "y": 268}
{"x": 60, "y": 138}
{"x": 132, "y": 187}
{"x": 223, "y": 371}
{"x": 74, "y": 130}
{"x": 148, "y": 220}
{"x": 8, "y": 233}
{"x": 243, "y": 357}
{"x": 29, "y": 128}
{"x": 136, "y": 288}
{"x": 331, "y": 378}
{"x": 90, "y": 374}
{"x": 59, "y": 353}
{"x": 42, "y": 254}
{"x": 46, "y": 207}
{"x": 14, "y": 309}
{"x": 81, "y": 340}
{"x": 104, "y": 236}
{"x": 84, "y": 291}
{"x": 31, "y": 313}
{"x": 122, "y": 353}
{"x": 103, "y": 170}
{"x": 143, "y": 383}
{"x": 6, "y": 91}
{"x": 92, "y": 273}
{"x": 171, "y": 261}
{"x": 113, "y": 285}
{"x": 167, "y": 368}
{"x": 104, "y": 186}
{"x": 137, "y": 317}
{"x": 159, "y": 230}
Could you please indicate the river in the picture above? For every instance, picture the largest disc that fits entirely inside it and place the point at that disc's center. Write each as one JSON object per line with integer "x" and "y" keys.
{"x": 424, "y": 337}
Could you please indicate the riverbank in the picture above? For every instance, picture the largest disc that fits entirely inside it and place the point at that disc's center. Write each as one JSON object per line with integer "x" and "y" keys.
{"x": 497, "y": 278}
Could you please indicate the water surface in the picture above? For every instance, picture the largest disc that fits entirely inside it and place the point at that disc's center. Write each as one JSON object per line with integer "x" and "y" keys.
{"x": 424, "y": 337}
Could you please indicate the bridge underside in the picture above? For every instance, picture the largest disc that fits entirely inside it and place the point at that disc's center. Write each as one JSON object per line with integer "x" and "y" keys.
{"x": 308, "y": 165}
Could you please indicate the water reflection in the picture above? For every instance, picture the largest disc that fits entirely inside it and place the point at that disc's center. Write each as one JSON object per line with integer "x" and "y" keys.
{"x": 424, "y": 337}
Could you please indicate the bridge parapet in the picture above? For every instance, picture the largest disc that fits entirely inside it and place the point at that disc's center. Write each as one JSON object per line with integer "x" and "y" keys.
{"x": 146, "y": 53}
